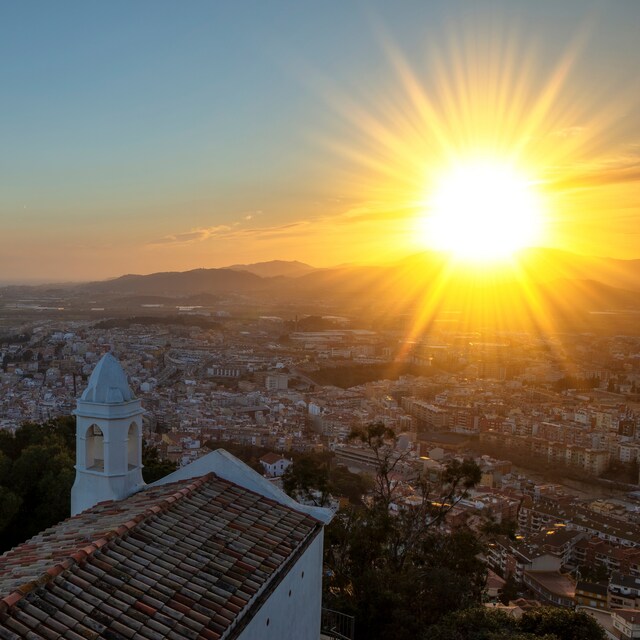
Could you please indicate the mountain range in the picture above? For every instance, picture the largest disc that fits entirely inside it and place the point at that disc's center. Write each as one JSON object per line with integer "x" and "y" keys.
{"x": 545, "y": 283}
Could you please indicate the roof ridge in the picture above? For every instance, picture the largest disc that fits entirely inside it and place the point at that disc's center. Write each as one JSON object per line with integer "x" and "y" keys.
{"x": 270, "y": 499}
{"x": 80, "y": 555}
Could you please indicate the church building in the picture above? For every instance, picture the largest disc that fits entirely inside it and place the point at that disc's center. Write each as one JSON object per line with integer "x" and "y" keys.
{"x": 211, "y": 551}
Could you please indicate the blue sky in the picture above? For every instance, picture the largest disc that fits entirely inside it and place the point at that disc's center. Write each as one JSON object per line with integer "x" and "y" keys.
{"x": 127, "y": 126}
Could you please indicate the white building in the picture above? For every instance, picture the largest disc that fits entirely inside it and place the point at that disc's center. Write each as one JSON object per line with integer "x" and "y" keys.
{"x": 108, "y": 438}
{"x": 275, "y": 465}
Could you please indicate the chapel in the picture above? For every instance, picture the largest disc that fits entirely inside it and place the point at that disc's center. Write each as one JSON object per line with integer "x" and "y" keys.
{"x": 211, "y": 551}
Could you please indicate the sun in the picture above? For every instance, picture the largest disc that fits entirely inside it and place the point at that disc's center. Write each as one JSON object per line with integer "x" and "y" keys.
{"x": 483, "y": 211}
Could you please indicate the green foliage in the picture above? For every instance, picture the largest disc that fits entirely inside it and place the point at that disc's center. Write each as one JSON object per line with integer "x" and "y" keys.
{"x": 482, "y": 623}
{"x": 9, "y": 506}
{"x": 314, "y": 477}
{"x": 396, "y": 575}
{"x": 5, "y": 468}
{"x": 147, "y": 321}
{"x": 563, "y": 623}
{"x": 308, "y": 479}
{"x": 36, "y": 476}
{"x": 506, "y": 528}
{"x": 344, "y": 483}
{"x": 152, "y": 467}
{"x": 476, "y": 623}
{"x": 594, "y": 573}
{"x": 397, "y": 572}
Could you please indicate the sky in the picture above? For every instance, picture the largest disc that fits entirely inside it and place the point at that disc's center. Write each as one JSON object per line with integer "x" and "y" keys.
{"x": 162, "y": 135}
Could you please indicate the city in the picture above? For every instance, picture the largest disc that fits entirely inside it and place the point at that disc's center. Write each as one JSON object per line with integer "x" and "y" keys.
{"x": 553, "y": 422}
{"x": 319, "y": 321}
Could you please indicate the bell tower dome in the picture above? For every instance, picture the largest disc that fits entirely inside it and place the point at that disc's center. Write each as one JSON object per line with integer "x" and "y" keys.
{"x": 108, "y": 438}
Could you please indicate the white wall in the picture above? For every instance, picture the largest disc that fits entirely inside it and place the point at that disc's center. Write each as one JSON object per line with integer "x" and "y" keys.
{"x": 293, "y": 609}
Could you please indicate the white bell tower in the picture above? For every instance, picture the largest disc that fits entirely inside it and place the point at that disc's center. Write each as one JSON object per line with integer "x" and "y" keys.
{"x": 108, "y": 439}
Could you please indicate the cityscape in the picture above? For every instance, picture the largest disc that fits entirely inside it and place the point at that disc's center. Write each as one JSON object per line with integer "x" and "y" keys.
{"x": 374, "y": 374}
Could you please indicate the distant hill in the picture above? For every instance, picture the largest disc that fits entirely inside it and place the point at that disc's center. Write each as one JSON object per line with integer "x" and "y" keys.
{"x": 181, "y": 283}
{"x": 548, "y": 288}
{"x": 273, "y": 268}
{"x": 551, "y": 264}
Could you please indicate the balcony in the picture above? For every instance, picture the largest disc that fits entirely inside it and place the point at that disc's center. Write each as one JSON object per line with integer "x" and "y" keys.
{"x": 336, "y": 625}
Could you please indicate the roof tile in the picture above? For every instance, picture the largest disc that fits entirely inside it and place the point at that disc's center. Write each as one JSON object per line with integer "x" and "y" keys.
{"x": 174, "y": 561}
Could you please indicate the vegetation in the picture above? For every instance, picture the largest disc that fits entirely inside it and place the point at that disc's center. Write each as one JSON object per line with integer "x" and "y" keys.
{"x": 550, "y": 623}
{"x": 36, "y": 475}
{"x": 353, "y": 375}
{"x": 402, "y": 576}
{"x": 152, "y": 467}
{"x": 505, "y": 528}
{"x": 510, "y": 590}
{"x": 570, "y": 382}
{"x": 180, "y": 321}
{"x": 397, "y": 573}
{"x": 314, "y": 478}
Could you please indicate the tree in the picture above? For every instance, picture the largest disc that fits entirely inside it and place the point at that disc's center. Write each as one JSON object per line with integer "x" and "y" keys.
{"x": 594, "y": 573}
{"x": 9, "y": 506}
{"x": 308, "y": 479}
{"x": 315, "y": 478}
{"x": 395, "y": 570}
{"x": 506, "y": 528}
{"x": 483, "y": 623}
{"x": 344, "y": 483}
{"x": 152, "y": 467}
{"x": 37, "y": 472}
{"x": 563, "y": 623}
{"x": 510, "y": 590}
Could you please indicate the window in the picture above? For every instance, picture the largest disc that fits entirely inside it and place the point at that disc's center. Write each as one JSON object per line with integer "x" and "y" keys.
{"x": 94, "y": 448}
{"x": 133, "y": 446}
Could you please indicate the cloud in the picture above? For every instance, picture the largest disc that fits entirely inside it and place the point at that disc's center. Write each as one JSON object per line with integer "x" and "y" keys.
{"x": 195, "y": 235}
{"x": 620, "y": 169}
{"x": 569, "y": 132}
{"x": 356, "y": 214}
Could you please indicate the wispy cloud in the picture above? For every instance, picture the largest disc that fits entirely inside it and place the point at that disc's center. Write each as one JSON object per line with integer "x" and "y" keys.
{"x": 356, "y": 214}
{"x": 619, "y": 169}
{"x": 195, "y": 235}
{"x": 570, "y": 132}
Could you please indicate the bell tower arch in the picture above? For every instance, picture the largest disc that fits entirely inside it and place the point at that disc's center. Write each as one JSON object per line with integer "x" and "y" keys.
{"x": 108, "y": 438}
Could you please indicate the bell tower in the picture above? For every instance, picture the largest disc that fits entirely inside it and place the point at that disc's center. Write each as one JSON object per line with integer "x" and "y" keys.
{"x": 108, "y": 438}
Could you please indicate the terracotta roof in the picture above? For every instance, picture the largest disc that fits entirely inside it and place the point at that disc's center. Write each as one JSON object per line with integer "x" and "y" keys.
{"x": 271, "y": 458}
{"x": 630, "y": 615}
{"x": 182, "y": 560}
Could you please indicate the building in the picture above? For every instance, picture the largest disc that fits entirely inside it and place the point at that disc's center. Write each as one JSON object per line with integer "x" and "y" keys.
{"x": 591, "y": 594}
{"x": 276, "y": 382}
{"x": 626, "y": 623}
{"x": 275, "y": 465}
{"x": 551, "y": 586}
{"x": 108, "y": 439}
{"x": 624, "y": 591}
{"x": 211, "y": 551}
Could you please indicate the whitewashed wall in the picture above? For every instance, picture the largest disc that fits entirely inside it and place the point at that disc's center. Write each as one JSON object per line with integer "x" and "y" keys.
{"x": 293, "y": 610}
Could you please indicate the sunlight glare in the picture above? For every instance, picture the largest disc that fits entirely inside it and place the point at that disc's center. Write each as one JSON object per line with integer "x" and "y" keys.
{"x": 483, "y": 211}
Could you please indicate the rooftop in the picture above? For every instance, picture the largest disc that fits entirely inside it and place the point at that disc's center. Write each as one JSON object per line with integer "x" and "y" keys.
{"x": 554, "y": 582}
{"x": 108, "y": 383}
{"x": 271, "y": 458}
{"x": 182, "y": 560}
